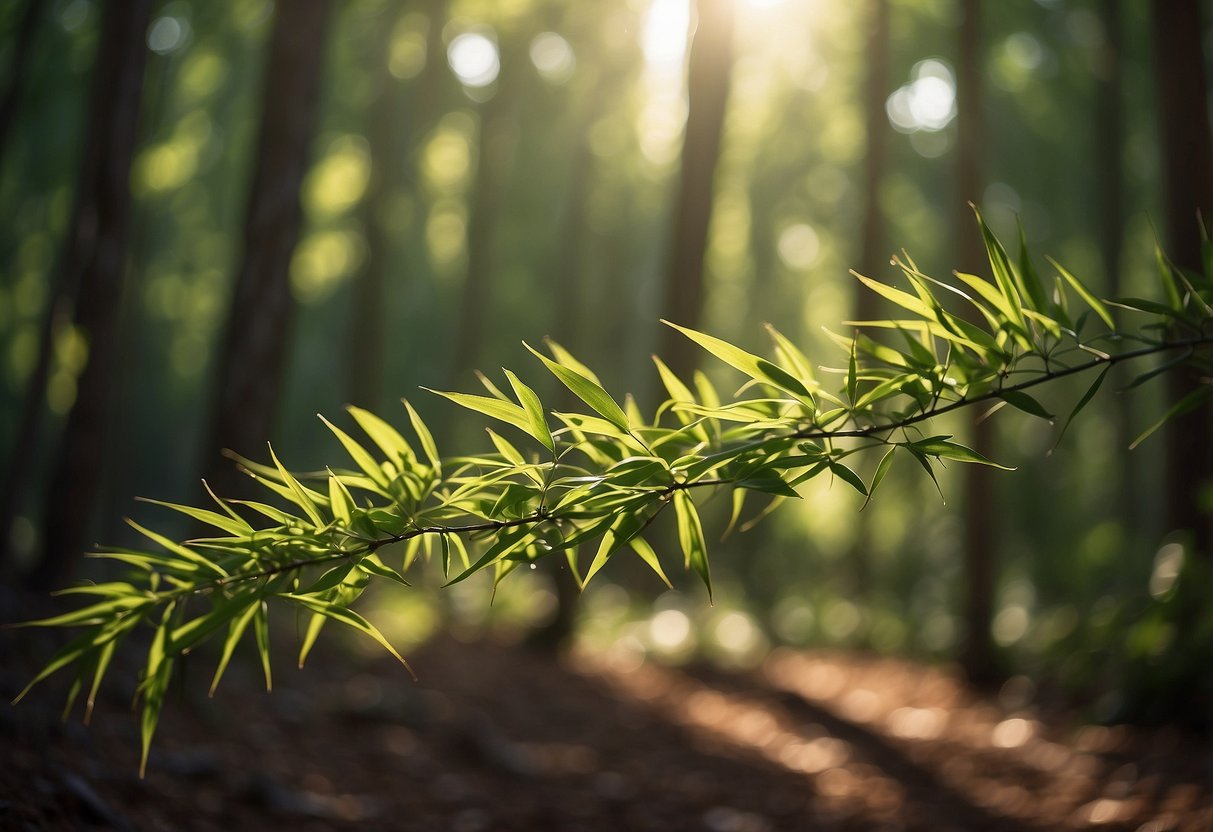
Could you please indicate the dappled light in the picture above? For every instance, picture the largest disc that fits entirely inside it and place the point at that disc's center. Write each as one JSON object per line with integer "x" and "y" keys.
{"x": 851, "y": 468}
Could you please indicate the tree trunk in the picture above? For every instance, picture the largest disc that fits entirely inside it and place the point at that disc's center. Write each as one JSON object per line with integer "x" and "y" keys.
{"x": 249, "y": 373}
{"x": 14, "y": 87}
{"x": 1187, "y": 169}
{"x": 708, "y": 74}
{"x": 872, "y": 256}
{"x": 977, "y": 653}
{"x": 494, "y": 159}
{"x": 1108, "y": 144}
{"x": 368, "y": 310}
{"x": 95, "y": 263}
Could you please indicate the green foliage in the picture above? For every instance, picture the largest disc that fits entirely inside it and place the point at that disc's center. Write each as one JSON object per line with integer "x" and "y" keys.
{"x": 602, "y": 477}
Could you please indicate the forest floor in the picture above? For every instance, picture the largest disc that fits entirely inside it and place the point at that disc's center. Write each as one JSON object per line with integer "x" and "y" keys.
{"x": 498, "y": 737}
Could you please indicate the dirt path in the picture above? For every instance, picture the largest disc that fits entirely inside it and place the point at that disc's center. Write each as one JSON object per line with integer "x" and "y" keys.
{"x": 499, "y": 738}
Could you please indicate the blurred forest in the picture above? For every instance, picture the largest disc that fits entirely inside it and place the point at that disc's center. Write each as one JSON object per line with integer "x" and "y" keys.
{"x": 223, "y": 219}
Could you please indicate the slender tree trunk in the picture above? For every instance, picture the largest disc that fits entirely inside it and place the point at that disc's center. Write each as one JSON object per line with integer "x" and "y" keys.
{"x": 708, "y": 74}
{"x": 977, "y": 653}
{"x": 250, "y": 370}
{"x": 1108, "y": 144}
{"x": 14, "y": 87}
{"x": 871, "y": 256}
{"x": 1187, "y": 163}
{"x": 494, "y": 159}
{"x": 368, "y": 310}
{"x": 96, "y": 263}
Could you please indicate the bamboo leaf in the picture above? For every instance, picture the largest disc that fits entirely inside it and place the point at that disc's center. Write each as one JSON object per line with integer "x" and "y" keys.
{"x": 848, "y": 476}
{"x": 234, "y": 632}
{"x": 1187, "y": 404}
{"x": 360, "y": 455}
{"x": 882, "y": 470}
{"x": 389, "y": 440}
{"x": 300, "y": 496}
{"x": 261, "y": 635}
{"x": 756, "y": 368}
{"x": 586, "y": 389}
{"x": 641, "y": 547}
{"x": 424, "y": 436}
{"x": 1022, "y": 401}
{"x": 534, "y": 411}
{"x": 507, "y": 412}
{"x": 1083, "y": 292}
{"x": 350, "y": 619}
{"x": 940, "y": 446}
{"x": 690, "y": 538}
{"x": 1086, "y": 397}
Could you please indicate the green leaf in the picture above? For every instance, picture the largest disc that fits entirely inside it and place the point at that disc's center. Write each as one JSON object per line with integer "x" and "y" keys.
{"x": 1086, "y": 397}
{"x": 340, "y": 501}
{"x": 234, "y": 632}
{"x": 641, "y": 547}
{"x": 261, "y": 635}
{"x": 756, "y": 368}
{"x": 940, "y": 446}
{"x": 882, "y": 469}
{"x": 534, "y": 411}
{"x": 1033, "y": 288}
{"x": 1187, "y": 404}
{"x": 690, "y": 538}
{"x": 350, "y": 619}
{"x": 848, "y": 476}
{"x": 1003, "y": 275}
{"x": 1083, "y": 292}
{"x": 1022, "y": 401}
{"x": 389, "y": 440}
{"x": 314, "y": 626}
{"x": 586, "y": 389}
{"x": 234, "y": 526}
{"x": 374, "y": 565}
{"x": 767, "y": 481}
{"x": 506, "y": 412}
{"x": 300, "y": 495}
{"x": 361, "y": 456}
{"x": 424, "y": 436}
{"x": 621, "y": 531}
{"x": 178, "y": 549}
{"x": 565, "y": 358}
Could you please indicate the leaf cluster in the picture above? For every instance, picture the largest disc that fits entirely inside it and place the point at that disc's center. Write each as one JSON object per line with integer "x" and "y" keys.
{"x": 588, "y": 485}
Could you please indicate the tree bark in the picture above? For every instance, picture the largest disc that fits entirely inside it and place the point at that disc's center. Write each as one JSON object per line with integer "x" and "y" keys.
{"x": 368, "y": 310}
{"x": 708, "y": 77}
{"x": 1187, "y": 172}
{"x": 249, "y": 373}
{"x": 872, "y": 254}
{"x": 14, "y": 87}
{"x": 95, "y": 263}
{"x": 494, "y": 159}
{"x": 977, "y": 653}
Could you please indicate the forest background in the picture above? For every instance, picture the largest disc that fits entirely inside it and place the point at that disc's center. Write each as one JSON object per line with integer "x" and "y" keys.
{"x": 223, "y": 219}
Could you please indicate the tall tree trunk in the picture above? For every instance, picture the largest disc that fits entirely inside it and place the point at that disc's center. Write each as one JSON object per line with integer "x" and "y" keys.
{"x": 368, "y": 310}
{"x": 1108, "y": 144}
{"x": 14, "y": 86}
{"x": 872, "y": 256}
{"x": 977, "y": 654}
{"x": 96, "y": 262}
{"x": 1187, "y": 163}
{"x": 708, "y": 74}
{"x": 250, "y": 370}
{"x": 494, "y": 159}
